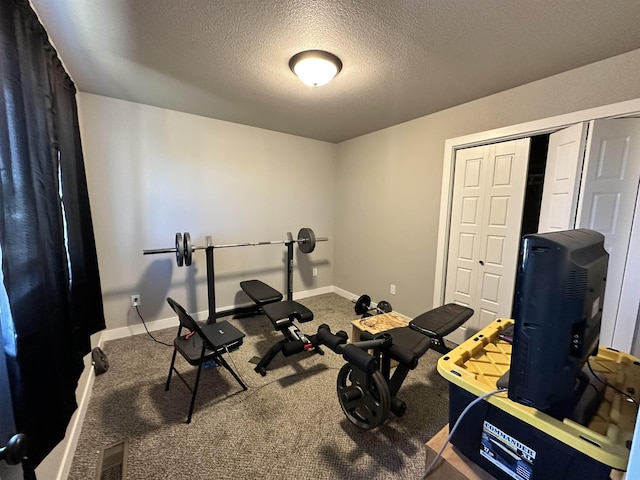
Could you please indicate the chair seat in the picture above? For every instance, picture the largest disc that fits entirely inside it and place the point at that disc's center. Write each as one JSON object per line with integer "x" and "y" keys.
{"x": 191, "y": 347}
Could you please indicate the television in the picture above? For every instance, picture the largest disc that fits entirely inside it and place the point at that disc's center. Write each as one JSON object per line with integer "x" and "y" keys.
{"x": 557, "y": 315}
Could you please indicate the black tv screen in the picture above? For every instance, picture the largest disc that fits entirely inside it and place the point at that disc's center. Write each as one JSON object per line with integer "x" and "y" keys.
{"x": 557, "y": 312}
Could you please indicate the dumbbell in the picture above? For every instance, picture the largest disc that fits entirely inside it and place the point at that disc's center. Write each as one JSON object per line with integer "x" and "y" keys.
{"x": 363, "y": 306}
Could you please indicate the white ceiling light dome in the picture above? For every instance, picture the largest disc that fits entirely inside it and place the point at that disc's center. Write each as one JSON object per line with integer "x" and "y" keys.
{"x": 315, "y": 67}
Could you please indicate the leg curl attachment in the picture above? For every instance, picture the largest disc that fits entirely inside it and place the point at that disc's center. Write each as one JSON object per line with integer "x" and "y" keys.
{"x": 366, "y": 386}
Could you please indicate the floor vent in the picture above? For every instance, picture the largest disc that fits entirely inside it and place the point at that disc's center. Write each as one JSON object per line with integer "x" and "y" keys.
{"x": 112, "y": 463}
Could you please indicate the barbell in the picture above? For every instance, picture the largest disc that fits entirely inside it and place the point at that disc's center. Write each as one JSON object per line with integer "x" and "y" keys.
{"x": 184, "y": 248}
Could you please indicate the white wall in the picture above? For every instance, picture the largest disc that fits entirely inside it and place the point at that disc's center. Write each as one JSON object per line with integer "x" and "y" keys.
{"x": 389, "y": 182}
{"x": 153, "y": 172}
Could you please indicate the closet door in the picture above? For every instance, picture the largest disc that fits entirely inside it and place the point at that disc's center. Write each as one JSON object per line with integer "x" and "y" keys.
{"x": 489, "y": 187}
{"x": 466, "y": 226}
{"x": 562, "y": 179}
{"x": 607, "y": 203}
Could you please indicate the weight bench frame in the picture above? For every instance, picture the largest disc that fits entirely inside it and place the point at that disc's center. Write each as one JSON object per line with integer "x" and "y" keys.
{"x": 242, "y": 310}
{"x": 283, "y": 315}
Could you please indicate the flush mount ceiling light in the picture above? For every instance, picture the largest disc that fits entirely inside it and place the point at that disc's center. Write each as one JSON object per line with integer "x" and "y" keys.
{"x": 315, "y": 67}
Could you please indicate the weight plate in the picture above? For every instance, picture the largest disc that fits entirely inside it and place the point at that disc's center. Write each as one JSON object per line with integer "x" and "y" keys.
{"x": 384, "y": 306}
{"x": 364, "y": 399}
{"x": 362, "y": 304}
{"x": 306, "y": 240}
{"x": 179, "y": 249}
{"x": 188, "y": 249}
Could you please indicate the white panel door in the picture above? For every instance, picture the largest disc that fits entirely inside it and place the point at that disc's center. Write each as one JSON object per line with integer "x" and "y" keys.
{"x": 489, "y": 187}
{"x": 562, "y": 178}
{"x": 466, "y": 228}
{"x": 500, "y": 240}
{"x": 606, "y": 204}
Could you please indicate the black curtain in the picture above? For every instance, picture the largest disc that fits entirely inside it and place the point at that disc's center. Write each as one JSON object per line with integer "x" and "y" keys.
{"x": 49, "y": 259}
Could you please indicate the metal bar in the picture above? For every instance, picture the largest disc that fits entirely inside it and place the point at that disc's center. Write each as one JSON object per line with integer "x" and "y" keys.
{"x": 248, "y": 244}
{"x": 229, "y": 245}
{"x": 272, "y": 242}
{"x": 159, "y": 250}
{"x": 289, "y": 244}
{"x": 168, "y": 250}
{"x": 211, "y": 286}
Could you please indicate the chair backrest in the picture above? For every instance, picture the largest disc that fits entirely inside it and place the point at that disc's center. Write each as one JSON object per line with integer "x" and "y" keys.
{"x": 185, "y": 319}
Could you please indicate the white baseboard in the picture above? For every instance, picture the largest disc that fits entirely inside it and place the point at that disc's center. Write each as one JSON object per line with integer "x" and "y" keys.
{"x": 122, "y": 332}
{"x": 345, "y": 294}
{"x": 58, "y": 464}
{"x": 130, "y": 330}
{"x": 312, "y": 293}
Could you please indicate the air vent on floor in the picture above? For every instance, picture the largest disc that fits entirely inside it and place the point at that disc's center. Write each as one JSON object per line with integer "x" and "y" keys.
{"x": 112, "y": 463}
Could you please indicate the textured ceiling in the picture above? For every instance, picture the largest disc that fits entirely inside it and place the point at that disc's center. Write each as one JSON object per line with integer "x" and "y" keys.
{"x": 403, "y": 59}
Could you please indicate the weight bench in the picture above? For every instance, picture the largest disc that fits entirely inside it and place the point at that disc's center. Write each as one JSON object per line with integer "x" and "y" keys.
{"x": 366, "y": 387}
{"x": 260, "y": 293}
{"x": 282, "y": 315}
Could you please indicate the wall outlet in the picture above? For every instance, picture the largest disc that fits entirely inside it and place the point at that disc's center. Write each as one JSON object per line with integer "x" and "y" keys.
{"x": 392, "y": 289}
{"x": 315, "y": 272}
{"x": 135, "y": 300}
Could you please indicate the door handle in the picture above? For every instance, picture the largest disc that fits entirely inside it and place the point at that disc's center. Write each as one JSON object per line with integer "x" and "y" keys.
{"x": 481, "y": 263}
{"x": 15, "y": 450}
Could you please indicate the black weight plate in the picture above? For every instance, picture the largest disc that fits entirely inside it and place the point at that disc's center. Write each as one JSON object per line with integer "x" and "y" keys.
{"x": 362, "y": 304}
{"x": 384, "y": 306}
{"x": 179, "y": 249}
{"x": 188, "y": 249}
{"x": 365, "y": 399}
{"x": 306, "y": 240}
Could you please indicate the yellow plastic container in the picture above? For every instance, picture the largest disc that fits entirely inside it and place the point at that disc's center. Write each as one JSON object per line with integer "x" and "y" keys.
{"x": 477, "y": 364}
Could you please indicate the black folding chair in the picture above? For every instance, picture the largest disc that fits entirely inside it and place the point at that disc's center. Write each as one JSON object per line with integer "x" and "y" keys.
{"x": 202, "y": 344}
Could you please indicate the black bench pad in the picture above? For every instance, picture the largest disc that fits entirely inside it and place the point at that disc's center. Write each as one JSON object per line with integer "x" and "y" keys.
{"x": 260, "y": 292}
{"x": 283, "y": 313}
{"x": 442, "y": 320}
{"x": 408, "y": 346}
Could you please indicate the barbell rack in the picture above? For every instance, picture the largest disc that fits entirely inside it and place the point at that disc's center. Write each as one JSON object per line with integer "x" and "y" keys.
{"x": 183, "y": 250}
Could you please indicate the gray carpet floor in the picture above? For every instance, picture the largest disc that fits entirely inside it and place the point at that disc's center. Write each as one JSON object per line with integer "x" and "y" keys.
{"x": 288, "y": 424}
